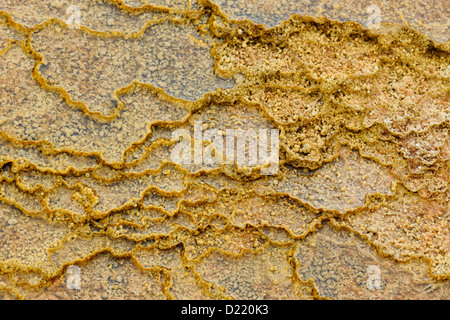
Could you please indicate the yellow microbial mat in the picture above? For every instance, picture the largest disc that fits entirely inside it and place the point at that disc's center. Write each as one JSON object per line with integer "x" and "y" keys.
{"x": 224, "y": 149}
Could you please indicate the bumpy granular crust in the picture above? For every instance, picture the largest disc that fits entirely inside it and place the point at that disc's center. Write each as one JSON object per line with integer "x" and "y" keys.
{"x": 88, "y": 122}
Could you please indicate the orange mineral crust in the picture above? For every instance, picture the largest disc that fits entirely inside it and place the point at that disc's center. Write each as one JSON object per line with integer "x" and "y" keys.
{"x": 219, "y": 149}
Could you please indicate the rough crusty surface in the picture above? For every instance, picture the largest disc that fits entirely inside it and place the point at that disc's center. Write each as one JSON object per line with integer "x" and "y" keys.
{"x": 87, "y": 114}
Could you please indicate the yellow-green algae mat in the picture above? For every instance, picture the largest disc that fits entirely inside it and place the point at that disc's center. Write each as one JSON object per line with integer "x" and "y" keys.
{"x": 359, "y": 206}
